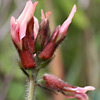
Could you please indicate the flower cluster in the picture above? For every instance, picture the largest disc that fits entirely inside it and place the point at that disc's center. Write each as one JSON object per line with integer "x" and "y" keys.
{"x": 36, "y": 45}
{"x": 34, "y": 41}
{"x": 56, "y": 84}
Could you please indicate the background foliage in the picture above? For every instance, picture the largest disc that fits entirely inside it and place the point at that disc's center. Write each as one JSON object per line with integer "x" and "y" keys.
{"x": 80, "y": 50}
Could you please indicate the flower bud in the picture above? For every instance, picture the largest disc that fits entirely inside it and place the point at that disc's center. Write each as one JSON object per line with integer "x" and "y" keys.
{"x": 22, "y": 34}
{"x": 27, "y": 59}
{"x": 31, "y": 38}
{"x": 50, "y": 47}
{"x": 23, "y": 26}
{"x": 47, "y": 51}
{"x": 57, "y": 36}
{"x": 44, "y": 31}
{"x": 56, "y": 84}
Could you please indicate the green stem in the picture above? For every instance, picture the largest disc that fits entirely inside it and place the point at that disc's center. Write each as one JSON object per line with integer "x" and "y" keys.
{"x": 31, "y": 95}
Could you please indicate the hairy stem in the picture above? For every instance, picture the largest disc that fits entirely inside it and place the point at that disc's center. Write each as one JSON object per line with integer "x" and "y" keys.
{"x": 31, "y": 95}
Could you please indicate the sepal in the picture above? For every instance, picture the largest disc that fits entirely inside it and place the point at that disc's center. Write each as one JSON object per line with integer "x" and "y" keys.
{"x": 41, "y": 84}
{"x": 23, "y": 69}
{"x": 43, "y": 63}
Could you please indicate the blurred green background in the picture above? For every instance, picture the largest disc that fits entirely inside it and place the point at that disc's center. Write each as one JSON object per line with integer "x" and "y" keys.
{"x": 80, "y": 49}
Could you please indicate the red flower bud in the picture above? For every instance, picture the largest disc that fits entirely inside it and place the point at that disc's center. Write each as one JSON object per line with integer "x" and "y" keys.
{"x": 47, "y": 51}
{"x": 27, "y": 59}
{"x": 22, "y": 34}
{"x": 57, "y": 36}
{"x": 50, "y": 47}
{"x": 44, "y": 31}
{"x": 56, "y": 84}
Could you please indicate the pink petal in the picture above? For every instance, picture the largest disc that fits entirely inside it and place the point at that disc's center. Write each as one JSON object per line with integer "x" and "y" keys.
{"x": 23, "y": 27}
{"x": 78, "y": 96}
{"x": 24, "y": 11}
{"x": 81, "y": 96}
{"x": 80, "y": 89}
{"x": 66, "y": 24}
{"x": 78, "y": 92}
{"x": 13, "y": 28}
{"x": 12, "y": 22}
{"x": 30, "y": 11}
{"x": 42, "y": 14}
{"x": 36, "y": 27}
{"x": 85, "y": 89}
{"x": 55, "y": 34}
{"x": 28, "y": 15}
{"x": 48, "y": 14}
{"x": 15, "y": 33}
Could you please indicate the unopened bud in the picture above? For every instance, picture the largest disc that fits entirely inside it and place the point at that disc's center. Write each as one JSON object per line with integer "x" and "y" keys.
{"x": 69, "y": 91}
